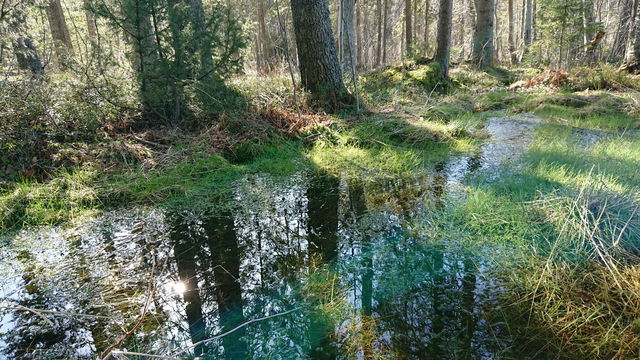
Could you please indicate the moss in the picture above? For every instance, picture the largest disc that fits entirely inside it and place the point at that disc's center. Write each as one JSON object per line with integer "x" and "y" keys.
{"x": 469, "y": 77}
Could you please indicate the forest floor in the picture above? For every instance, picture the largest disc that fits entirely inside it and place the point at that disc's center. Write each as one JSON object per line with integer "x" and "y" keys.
{"x": 567, "y": 206}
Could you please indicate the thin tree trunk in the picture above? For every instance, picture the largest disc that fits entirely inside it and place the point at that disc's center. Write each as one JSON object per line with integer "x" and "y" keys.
{"x": 319, "y": 66}
{"x": 527, "y": 35}
{"x": 264, "y": 49}
{"x": 427, "y": 9}
{"x": 483, "y": 36}
{"x": 348, "y": 49}
{"x": 359, "y": 33}
{"x": 59, "y": 29}
{"x": 380, "y": 34}
{"x": 92, "y": 26}
{"x": 512, "y": 40}
{"x": 385, "y": 32}
{"x": 408, "y": 26}
{"x": 443, "y": 48}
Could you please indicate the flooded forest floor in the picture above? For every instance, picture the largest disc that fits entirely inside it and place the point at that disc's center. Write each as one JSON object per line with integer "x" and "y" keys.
{"x": 480, "y": 221}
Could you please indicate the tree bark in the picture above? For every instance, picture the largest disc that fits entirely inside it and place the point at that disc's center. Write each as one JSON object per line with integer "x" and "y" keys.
{"x": 512, "y": 40}
{"x": 385, "y": 32}
{"x": 92, "y": 26}
{"x": 348, "y": 53}
{"x": 427, "y": 6}
{"x": 528, "y": 24}
{"x": 408, "y": 26}
{"x": 265, "y": 48}
{"x": 59, "y": 29}
{"x": 380, "y": 34}
{"x": 483, "y": 35}
{"x": 631, "y": 61}
{"x": 443, "y": 48}
{"x": 319, "y": 65}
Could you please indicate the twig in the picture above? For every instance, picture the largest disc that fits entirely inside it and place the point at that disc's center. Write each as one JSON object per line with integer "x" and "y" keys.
{"x": 39, "y": 312}
{"x": 206, "y": 341}
{"x": 109, "y": 350}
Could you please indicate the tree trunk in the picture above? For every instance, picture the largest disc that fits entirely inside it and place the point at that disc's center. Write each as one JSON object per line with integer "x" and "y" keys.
{"x": 92, "y": 26}
{"x": 348, "y": 53}
{"x": 622, "y": 31}
{"x": 359, "y": 29}
{"x": 443, "y": 48}
{"x": 264, "y": 49}
{"x": 385, "y": 32}
{"x": 632, "y": 56}
{"x": 512, "y": 40}
{"x": 380, "y": 34}
{"x": 528, "y": 24}
{"x": 587, "y": 32}
{"x": 319, "y": 65}
{"x": 408, "y": 26}
{"x": 427, "y": 6}
{"x": 59, "y": 29}
{"x": 483, "y": 36}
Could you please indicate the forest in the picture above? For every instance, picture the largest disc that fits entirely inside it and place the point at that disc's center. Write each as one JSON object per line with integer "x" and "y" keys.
{"x": 319, "y": 179}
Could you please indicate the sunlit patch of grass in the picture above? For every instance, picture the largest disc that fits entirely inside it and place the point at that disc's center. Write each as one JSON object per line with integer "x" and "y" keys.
{"x": 593, "y": 111}
{"x": 67, "y": 196}
{"x": 392, "y": 145}
{"x": 570, "y": 215}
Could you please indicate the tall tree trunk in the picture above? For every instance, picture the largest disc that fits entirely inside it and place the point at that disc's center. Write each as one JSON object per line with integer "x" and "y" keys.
{"x": 587, "y": 31}
{"x": 92, "y": 26}
{"x": 264, "y": 48}
{"x": 145, "y": 56}
{"x": 380, "y": 33}
{"x": 359, "y": 45}
{"x": 385, "y": 32}
{"x": 527, "y": 34}
{"x": 365, "y": 35}
{"x": 443, "y": 48}
{"x": 427, "y": 23}
{"x": 319, "y": 65}
{"x": 622, "y": 30}
{"x": 59, "y": 29}
{"x": 408, "y": 26}
{"x": 631, "y": 61}
{"x": 348, "y": 53}
{"x": 483, "y": 35}
{"x": 512, "y": 40}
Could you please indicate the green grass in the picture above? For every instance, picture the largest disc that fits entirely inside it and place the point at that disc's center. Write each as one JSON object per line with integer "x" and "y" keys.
{"x": 567, "y": 222}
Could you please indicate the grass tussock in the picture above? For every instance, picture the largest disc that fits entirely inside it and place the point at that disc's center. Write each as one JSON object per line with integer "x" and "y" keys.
{"x": 585, "y": 293}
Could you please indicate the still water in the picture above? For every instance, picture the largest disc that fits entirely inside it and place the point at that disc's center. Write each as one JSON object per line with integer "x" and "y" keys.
{"x": 313, "y": 266}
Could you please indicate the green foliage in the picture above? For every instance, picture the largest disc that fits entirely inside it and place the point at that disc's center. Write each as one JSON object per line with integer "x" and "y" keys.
{"x": 559, "y": 26}
{"x": 40, "y": 119}
{"x": 182, "y": 55}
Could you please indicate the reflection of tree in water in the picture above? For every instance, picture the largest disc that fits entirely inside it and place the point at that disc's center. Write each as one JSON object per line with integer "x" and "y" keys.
{"x": 252, "y": 260}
